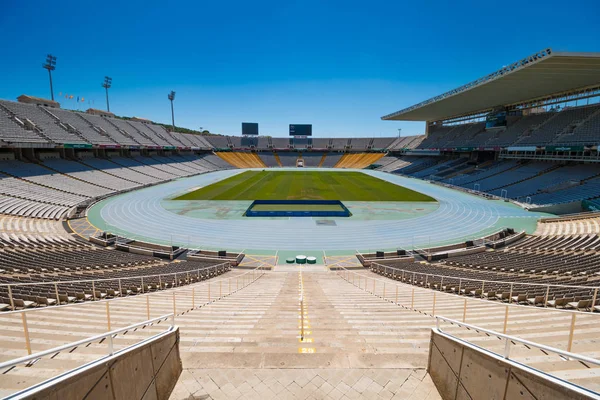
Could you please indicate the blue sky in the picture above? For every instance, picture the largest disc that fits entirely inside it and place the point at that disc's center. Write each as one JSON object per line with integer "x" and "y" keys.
{"x": 339, "y": 65}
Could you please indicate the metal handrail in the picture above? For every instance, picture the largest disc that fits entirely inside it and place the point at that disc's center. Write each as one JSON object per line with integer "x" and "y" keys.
{"x": 110, "y": 335}
{"x": 111, "y": 279}
{"x": 488, "y": 281}
{"x": 98, "y": 301}
{"x": 573, "y": 313}
{"x": 510, "y": 304}
{"x": 513, "y": 339}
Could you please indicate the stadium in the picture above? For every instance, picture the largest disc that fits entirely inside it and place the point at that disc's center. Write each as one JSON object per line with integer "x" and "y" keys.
{"x": 137, "y": 261}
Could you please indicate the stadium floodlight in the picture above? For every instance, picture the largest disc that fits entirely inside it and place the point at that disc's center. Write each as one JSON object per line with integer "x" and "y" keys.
{"x": 171, "y": 97}
{"x": 50, "y": 65}
{"x": 106, "y": 85}
{"x": 399, "y": 132}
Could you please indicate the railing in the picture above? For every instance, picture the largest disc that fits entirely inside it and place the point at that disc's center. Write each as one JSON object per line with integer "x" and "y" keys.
{"x": 97, "y": 338}
{"x": 513, "y": 340}
{"x": 426, "y": 301}
{"x": 571, "y": 217}
{"x": 180, "y": 298}
{"x": 199, "y": 272}
{"x": 402, "y": 273}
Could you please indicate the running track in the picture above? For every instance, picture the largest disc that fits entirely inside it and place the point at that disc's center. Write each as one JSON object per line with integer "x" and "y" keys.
{"x": 459, "y": 216}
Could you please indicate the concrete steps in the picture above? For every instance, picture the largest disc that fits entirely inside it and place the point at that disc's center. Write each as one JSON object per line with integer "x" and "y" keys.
{"x": 545, "y": 326}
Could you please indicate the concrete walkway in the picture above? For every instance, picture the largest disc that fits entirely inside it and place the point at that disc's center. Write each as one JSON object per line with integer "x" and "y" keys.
{"x": 355, "y": 345}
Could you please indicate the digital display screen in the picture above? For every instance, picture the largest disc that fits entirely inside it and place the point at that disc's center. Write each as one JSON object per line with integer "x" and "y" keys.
{"x": 249, "y": 128}
{"x": 300, "y": 130}
{"x": 495, "y": 120}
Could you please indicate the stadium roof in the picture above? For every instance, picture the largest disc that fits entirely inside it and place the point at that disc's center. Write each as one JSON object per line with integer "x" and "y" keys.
{"x": 538, "y": 76}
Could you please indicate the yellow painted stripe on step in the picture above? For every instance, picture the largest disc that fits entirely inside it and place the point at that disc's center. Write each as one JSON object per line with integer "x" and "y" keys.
{"x": 307, "y": 350}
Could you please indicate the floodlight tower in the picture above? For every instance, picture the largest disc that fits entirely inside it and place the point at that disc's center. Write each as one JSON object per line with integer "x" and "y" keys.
{"x": 50, "y": 65}
{"x": 171, "y": 97}
{"x": 106, "y": 85}
{"x": 399, "y": 132}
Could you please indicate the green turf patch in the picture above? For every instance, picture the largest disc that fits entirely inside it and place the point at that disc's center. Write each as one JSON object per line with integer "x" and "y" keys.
{"x": 304, "y": 185}
{"x": 297, "y": 207}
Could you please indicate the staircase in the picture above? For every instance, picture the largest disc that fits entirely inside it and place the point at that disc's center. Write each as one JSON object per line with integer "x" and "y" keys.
{"x": 354, "y": 344}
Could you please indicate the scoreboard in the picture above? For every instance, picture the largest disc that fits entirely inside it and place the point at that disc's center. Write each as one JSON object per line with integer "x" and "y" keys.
{"x": 249, "y": 128}
{"x": 300, "y": 130}
{"x": 495, "y": 120}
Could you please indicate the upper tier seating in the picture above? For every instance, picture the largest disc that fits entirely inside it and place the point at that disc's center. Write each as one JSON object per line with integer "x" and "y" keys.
{"x": 49, "y": 124}
{"x": 12, "y": 129}
{"x": 560, "y": 123}
{"x": 572, "y": 125}
{"x": 84, "y": 127}
{"x": 218, "y": 142}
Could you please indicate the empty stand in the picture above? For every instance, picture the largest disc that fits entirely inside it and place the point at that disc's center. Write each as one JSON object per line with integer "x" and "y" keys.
{"x": 242, "y": 160}
{"x": 358, "y": 160}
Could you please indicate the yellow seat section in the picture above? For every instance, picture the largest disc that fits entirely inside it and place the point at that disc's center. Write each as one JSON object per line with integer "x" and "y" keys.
{"x": 358, "y": 160}
{"x": 242, "y": 159}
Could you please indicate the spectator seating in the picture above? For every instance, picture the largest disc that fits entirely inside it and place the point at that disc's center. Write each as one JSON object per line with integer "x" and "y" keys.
{"x": 269, "y": 159}
{"x": 555, "y": 176}
{"x": 358, "y": 160}
{"x": 35, "y": 251}
{"x": 467, "y": 180}
{"x": 532, "y": 267}
{"x": 571, "y": 125}
{"x": 288, "y": 158}
{"x": 417, "y": 164}
{"x": 49, "y": 189}
{"x": 570, "y": 226}
{"x": 439, "y": 168}
{"x": 311, "y": 159}
{"x": 242, "y": 159}
{"x": 49, "y": 124}
{"x": 331, "y": 159}
{"x": 13, "y": 129}
{"x": 524, "y": 171}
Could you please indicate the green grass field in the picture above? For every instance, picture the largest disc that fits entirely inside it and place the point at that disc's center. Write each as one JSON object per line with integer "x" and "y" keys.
{"x": 297, "y": 207}
{"x": 304, "y": 185}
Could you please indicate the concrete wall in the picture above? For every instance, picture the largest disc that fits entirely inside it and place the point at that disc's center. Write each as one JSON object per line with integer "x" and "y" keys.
{"x": 462, "y": 371}
{"x": 560, "y": 209}
{"x": 147, "y": 371}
